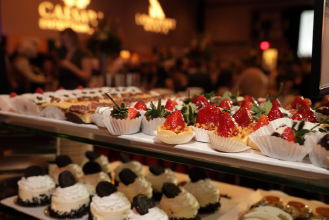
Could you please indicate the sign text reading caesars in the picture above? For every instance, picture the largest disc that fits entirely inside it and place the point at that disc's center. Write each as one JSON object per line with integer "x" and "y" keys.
{"x": 72, "y": 15}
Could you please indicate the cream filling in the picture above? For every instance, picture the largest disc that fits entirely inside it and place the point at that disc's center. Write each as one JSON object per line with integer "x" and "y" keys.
{"x": 184, "y": 205}
{"x": 153, "y": 214}
{"x": 205, "y": 191}
{"x": 73, "y": 168}
{"x": 140, "y": 186}
{"x": 29, "y": 194}
{"x": 135, "y": 166}
{"x": 103, "y": 161}
{"x": 92, "y": 180}
{"x": 158, "y": 181}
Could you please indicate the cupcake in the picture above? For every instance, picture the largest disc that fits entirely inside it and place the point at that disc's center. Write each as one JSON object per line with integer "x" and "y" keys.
{"x": 102, "y": 160}
{"x": 63, "y": 163}
{"x": 204, "y": 190}
{"x": 178, "y": 203}
{"x": 93, "y": 174}
{"x": 35, "y": 188}
{"x": 144, "y": 209}
{"x": 99, "y": 114}
{"x": 108, "y": 203}
{"x": 157, "y": 177}
{"x": 175, "y": 130}
{"x": 133, "y": 165}
{"x": 131, "y": 185}
{"x": 70, "y": 199}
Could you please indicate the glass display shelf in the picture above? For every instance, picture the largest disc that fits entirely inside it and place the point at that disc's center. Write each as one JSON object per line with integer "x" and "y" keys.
{"x": 250, "y": 163}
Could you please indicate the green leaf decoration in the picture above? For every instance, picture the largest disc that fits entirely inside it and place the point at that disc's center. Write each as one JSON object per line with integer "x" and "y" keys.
{"x": 210, "y": 95}
{"x": 267, "y": 107}
{"x": 118, "y": 112}
{"x": 156, "y": 112}
{"x": 188, "y": 99}
{"x": 300, "y": 133}
{"x": 325, "y": 120}
{"x": 226, "y": 95}
{"x": 189, "y": 113}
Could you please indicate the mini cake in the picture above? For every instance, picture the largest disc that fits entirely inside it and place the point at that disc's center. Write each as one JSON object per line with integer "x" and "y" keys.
{"x": 157, "y": 177}
{"x": 102, "y": 160}
{"x": 243, "y": 118}
{"x": 108, "y": 203}
{"x": 131, "y": 185}
{"x": 179, "y": 204}
{"x": 144, "y": 209}
{"x": 35, "y": 188}
{"x": 204, "y": 190}
{"x": 93, "y": 174}
{"x": 64, "y": 163}
{"x": 70, "y": 199}
{"x": 133, "y": 165}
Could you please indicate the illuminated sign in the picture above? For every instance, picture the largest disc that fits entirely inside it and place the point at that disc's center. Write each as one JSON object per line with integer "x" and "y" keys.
{"x": 72, "y": 15}
{"x": 156, "y": 20}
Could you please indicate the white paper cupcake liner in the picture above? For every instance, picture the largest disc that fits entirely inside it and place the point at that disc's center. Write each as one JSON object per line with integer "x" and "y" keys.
{"x": 5, "y": 103}
{"x": 98, "y": 120}
{"x": 174, "y": 139}
{"x": 121, "y": 127}
{"x": 226, "y": 144}
{"x": 53, "y": 112}
{"x": 148, "y": 127}
{"x": 319, "y": 156}
{"x": 25, "y": 106}
{"x": 201, "y": 134}
{"x": 259, "y": 215}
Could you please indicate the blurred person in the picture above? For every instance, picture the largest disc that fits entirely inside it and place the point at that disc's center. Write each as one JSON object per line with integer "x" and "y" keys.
{"x": 23, "y": 75}
{"x": 74, "y": 66}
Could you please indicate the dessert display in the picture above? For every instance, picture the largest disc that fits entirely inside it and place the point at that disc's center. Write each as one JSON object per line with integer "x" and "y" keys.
{"x": 175, "y": 130}
{"x": 133, "y": 165}
{"x": 64, "y": 163}
{"x": 143, "y": 208}
{"x": 102, "y": 160}
{"x": 204, "y": 190}
{"x": 200, "y": 101}
{"x": 108, "y": 203}
{"x": 140, "y": 105}
{"x": 131, "y": 185}
{"x": 70, "y": 199}
{"x": 98, "y": 116}
{"x": 178, "y": 203}
{"x": 157, "y": 177}
{"x": 93, "y": 174}
{"x": 35, "y": 188}
{"x": 318, "y": 143}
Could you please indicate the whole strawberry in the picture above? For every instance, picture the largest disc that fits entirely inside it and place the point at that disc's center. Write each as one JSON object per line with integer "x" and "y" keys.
{"x": 243, "y": 118}
{"x": 251, "y": 99}
{"x": 156, "y": 112}
{"x": 122, "y": 112}
{"x": 288, "y": 134}
{"x": 275, "y": 113}
{"x": 39, "y": 90}
{"x": 262, "y": 121}
{"x": 140, "y": 106}
{"x": 226, "y": 104}
{"x": 299, "y": 101}
{"x": 247, "y": 105}
{"x": 297, "y": 117}
{"x": 175, "y": 120}
{"x": 200, "y": 101}
{"x": 209, "y": 116}
{"x": 307, "y": 114}
{"x": 80, "y": 87}
{"x": 170, "y": 105}
{"x": 276, "y": 103}
{"x": 12, "y": 95}
{"x": 227, "y": 126}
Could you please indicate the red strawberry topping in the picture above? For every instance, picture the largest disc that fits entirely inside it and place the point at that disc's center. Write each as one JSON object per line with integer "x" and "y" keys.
{"x": 247, "y": 105}
{"x": 300, "y": 101}
{"x": 307, "y": 113}
{"x": 61, "y": 88}
{"x": 96, "y": 86}
{"x": 39, "y": 90}
{"x": 276, "y": 103}
{"x": 297, "y": 117}
{"x": 288, "y": 135}
{"x": 209, "y": 116}
{"x": 132, "y": 112}
{"x": 275, "y": 113}
{"x": 242, "y": 117}
{"x": 140, "y": 106}
{"x": 227, "y": 126}
{"x": 175, "y": 121}
{"x": 307, "y": 102}
{"x": 200, "y": 101}
{"x": 226, "y": 104}
{"x": 170, "y": 105}
{"x": 12, "y": 95}
{"x": 80, "y": 87}
{"x": 251, "y": 99}
{"x": 262, "y": 121}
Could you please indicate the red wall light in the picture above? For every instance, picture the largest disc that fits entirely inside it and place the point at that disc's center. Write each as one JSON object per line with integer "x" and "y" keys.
{"x": 264, "y": 45}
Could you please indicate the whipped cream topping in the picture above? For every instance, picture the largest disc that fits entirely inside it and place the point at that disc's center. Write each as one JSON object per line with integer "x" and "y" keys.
{"x": 114, "y": 201}
{"x": 94, "y": 178}
{"x": 184, "y": 199}
{"x": 158, "y": 181}
{"x": 135, "y": 166}
{"x": 153, "y": 214}
{"x": 71, "y": 192}
{"x": 75, "y": 169}
{"x": 36, "y": 182}
{"x": 101, "y": 110}
{"x": 140, "y": 185}
{"x": 280, "y": 130}
{"x": 103, "y": 161}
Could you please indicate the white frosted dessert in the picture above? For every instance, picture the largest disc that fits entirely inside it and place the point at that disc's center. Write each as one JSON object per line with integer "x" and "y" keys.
{"x": 108, "y": 203}
{"x": 64, "y": 163}
{"x": 102, "y": 160}
{"x": 90, "y": 181}
{"x": 135, "y": 166}
{"x": 153, "y": 214}
{"x": 70, "y": 199}
{"x": 35, "y": 190}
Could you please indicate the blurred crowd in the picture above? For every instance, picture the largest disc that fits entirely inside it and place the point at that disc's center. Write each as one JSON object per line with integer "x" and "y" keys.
{"x": 197, "y": 66}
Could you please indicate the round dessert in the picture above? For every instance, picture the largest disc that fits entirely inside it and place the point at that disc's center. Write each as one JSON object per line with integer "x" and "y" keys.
{"x": 131, "y": 185}
{"x": 108, "y": 203}
{"x": 204, "y": 190}
{"x": 35, "y": 188}
{"x": 64, "y": 163}
{"x": 144, "y": 209}
{"x": 157, "y": 177}
{"x": 93, "y": 174}
{"x": 133, "y": 165}
{"x": 70, "y": 199}
{"x": 179, "y": 204}
{"x": 102, "y": 160}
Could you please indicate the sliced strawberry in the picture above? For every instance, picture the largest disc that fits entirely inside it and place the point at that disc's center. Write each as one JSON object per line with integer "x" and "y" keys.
{"x": 200, "y": 101}
{"x": 262, "y": 121}
{"x": 209, "y": 115}
{"x": 251, "y": 99}
{"x": 96, "y": 86}
{"x": 227, "y": 126}
{"x": 298, "y": 101}
{"x": 175, "y": 120}
{"x": 226, "y": 104}
{"x": 307, "y": 114}
{"x": 132, "y": 113}
{"x": 297, "y": 117}
{"x": 61, "y": 88}
{"x": 288, "y": 135}
{"x": 80, "y": 87}
{"x": 13, "y": 94}
{"x": 276, "y": 103}
{"x": 140, "y": 106}
{"x": 275, "y": 113}
{"x": 39, "y": 90}
{"x": 247, "y": 105}
{"x": 170, "y": 105}
{"x": 242, "y": 117}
